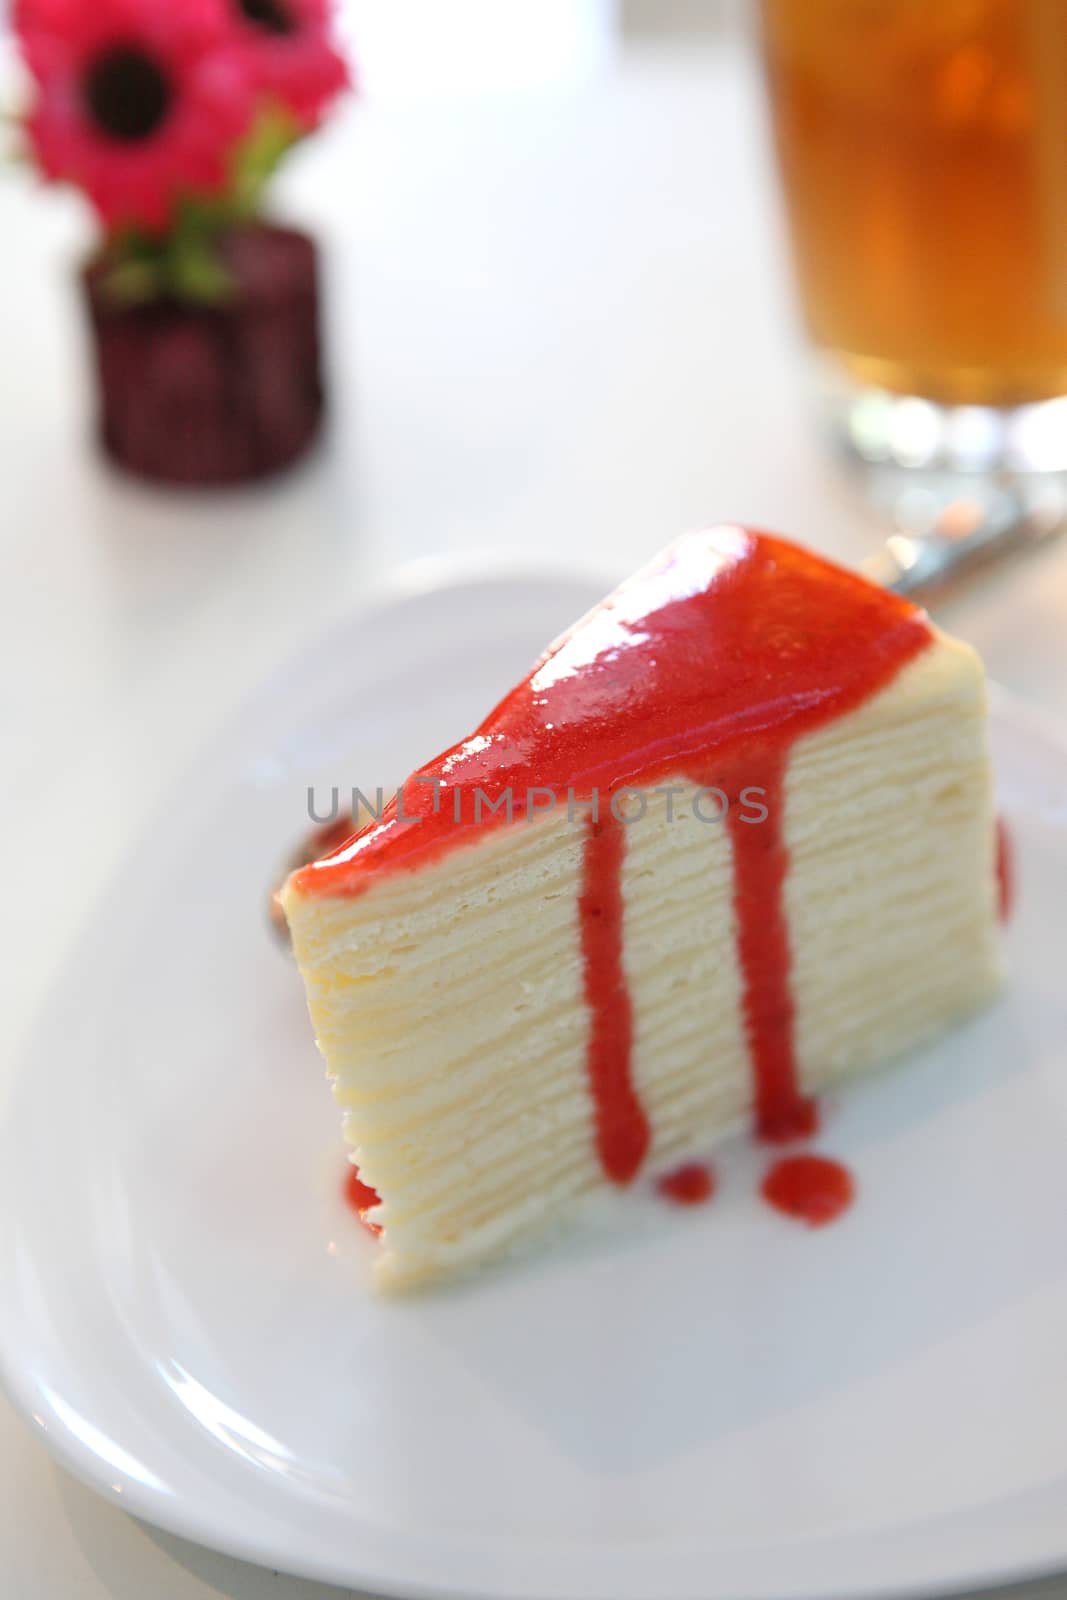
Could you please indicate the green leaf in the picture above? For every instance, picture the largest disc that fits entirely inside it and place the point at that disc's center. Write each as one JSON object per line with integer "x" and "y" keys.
{"x": 184, "y": 264}
{"x": 195, "y": 272}
{"x": 258, "y": 157}
{"x": 133, "y": 282}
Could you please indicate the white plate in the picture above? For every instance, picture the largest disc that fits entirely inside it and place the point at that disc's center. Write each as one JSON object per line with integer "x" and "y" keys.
{"x": 698, "y": 1405}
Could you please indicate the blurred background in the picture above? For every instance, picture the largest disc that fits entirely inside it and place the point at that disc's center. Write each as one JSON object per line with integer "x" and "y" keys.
{"x": 568, "y": 311}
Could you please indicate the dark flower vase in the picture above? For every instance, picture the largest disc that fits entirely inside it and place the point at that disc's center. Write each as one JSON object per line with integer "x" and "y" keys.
{"x": 203, "y": 395}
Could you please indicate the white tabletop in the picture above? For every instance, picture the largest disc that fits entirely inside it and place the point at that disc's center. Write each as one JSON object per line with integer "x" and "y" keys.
{"x": 560, "y": 329}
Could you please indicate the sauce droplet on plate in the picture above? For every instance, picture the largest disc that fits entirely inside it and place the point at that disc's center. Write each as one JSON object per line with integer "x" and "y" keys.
{"x": 361, "y": 1197}
{"x": 690, "y": 1185}
{"x": 1005, "y": 872}
{"x": 813, "y": 1189}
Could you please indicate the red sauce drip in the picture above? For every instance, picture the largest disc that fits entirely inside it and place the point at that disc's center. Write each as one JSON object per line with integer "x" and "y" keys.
{"x": 691, "y": 1185}
{"x": 813, "y": 1189}
{"x": 1005, "y": 872}
{"x": 707, "y": 665}
{"x": 761, "y": 863}
{"x": 361, "y": 1197}
{"x": 622, "y": 1131}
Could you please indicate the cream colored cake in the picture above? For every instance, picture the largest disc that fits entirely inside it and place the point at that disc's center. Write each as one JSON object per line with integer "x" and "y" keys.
{"x": 505, "y": 1038}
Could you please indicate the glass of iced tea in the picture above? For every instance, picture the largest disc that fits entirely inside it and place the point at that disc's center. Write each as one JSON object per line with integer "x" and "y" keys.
{"x": 923, "y": 152}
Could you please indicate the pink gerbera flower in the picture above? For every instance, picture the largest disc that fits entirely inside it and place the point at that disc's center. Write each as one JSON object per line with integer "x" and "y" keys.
{"x": 140, "y": 102}
{"x": 291, "y": 54}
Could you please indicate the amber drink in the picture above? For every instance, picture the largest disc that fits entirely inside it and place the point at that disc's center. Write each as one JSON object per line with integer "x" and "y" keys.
{"x": 923, "y": 153}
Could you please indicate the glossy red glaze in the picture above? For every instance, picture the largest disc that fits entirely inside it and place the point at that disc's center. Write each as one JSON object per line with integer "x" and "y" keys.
{"x": 707, "y": 665}
{"x": 690, "y": 1185}
{"x": 361, "y": 1197}
{"x": 813, "y": 1189}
